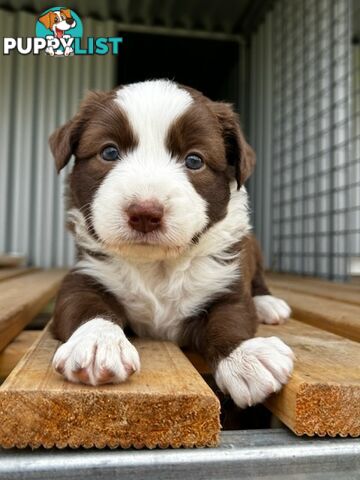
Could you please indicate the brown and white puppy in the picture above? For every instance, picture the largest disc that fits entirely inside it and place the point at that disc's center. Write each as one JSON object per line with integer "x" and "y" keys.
{"x": 160, "y": 216}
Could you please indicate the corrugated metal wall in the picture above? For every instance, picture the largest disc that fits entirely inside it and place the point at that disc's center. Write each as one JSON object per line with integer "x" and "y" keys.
{"x": 354, "y": 189}
{"x": 303, "y": 194}
{"x": 37, "y": 94}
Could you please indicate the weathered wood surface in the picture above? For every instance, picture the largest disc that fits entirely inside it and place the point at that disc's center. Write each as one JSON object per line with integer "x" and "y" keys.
{"x": 22, "y": 298}
{"x": 342, "y": 292}
{"x": 7, "y": 273}
{"x": 331, "y": 315}
{"x": 166, "y": 404}
{"x": 16, "y": 349}
{"x": 323, "y": 395}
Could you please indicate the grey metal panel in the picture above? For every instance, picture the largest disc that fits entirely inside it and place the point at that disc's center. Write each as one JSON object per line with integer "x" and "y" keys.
{"x": 38, "y": 94}
{"x": 311, "y": 230}
{"x": 7, "y": 23}
{"x": 200, "y": 15}
{"x": 253, "y": 454}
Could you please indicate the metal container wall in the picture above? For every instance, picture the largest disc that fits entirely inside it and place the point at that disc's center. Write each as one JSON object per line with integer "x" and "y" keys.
{"x": 305, "y": 190}
{"x": 38, "y": 94}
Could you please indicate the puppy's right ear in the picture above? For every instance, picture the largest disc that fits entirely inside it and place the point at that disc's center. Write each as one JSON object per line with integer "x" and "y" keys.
{"x": 63, "y": 142}
{"x": 46, "y": 19}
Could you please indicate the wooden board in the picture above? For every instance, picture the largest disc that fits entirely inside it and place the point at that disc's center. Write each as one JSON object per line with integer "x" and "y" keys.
{"x": 323, "y": 395}
{"x": 16, "y": 349}
{"x": 166, "y": 404}
{"x": 331, "y": 315}
{"x": 22, "y": 298}
{"x": 7, "y": 273}
{"x": 12, "y": 260}
{"x": 342, "y": 292}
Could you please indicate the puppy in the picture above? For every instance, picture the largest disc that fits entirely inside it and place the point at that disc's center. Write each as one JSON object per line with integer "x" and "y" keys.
{"x": 58, "y": 21}
{"x": 159, "y": 212}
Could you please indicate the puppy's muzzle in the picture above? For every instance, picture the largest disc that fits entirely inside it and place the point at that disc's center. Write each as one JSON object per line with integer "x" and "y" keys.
{"x": 145, "y": 216}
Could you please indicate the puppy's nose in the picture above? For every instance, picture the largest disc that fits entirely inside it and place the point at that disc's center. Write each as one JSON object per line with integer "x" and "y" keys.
{"x": 69, "y": 21}
{"x": 145, "y": 216}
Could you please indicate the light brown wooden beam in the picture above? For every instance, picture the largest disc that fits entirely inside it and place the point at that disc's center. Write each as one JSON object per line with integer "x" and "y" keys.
{"x": 166, "y": 404}
{"x": 331, "y": 315}
{"x": 16, "y": 349}
{"x": 323, "y": 395}
{"x": 22, "y": 298}
{"x": 7, "y": 273}
{"x": 342, "y": 292}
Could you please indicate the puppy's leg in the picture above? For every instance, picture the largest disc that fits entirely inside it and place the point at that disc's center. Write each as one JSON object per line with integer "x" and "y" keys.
{"x": 247, "y": 368}
{"x": 89, "y": 320}
{"x": 269, "y": 309}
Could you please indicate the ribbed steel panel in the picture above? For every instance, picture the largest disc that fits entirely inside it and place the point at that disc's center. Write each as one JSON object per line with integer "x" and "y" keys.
{"x": 38, "y": 94}
{"x": 306, "y": 181}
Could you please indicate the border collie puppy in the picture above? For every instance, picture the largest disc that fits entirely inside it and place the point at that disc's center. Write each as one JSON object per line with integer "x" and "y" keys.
{"x": 159, "y": 213}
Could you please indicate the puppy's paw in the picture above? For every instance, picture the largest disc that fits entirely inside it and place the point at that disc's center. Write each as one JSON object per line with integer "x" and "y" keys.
{"x": 255, "y": 369}
{"x": 271, "y": 310}
{"x": 98, "y": 352}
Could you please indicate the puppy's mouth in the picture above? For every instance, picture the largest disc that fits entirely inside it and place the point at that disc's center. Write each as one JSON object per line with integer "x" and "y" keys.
{"x": 59, "y": 33}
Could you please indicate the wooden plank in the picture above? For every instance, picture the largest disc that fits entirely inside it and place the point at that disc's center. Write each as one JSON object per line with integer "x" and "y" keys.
{"x": 323, "y": 395}
{"x": 16, "y": 349}
{"x": 341, "y": 292}
{"x": 166, "y": 404}
{"x": 22, "y": 298}
{"x": 12, "y": 260}
{"x": 331, "y": 315}
{"x": 7, "y": 273}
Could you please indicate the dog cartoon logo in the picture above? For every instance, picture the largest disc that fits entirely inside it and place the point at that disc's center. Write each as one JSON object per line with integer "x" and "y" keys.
{"x": 64, "y": 25}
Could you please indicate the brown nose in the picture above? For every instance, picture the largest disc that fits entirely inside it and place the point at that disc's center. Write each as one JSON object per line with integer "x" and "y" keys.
{"x": 145, "y": 216}
{"x": 69, "y": 21}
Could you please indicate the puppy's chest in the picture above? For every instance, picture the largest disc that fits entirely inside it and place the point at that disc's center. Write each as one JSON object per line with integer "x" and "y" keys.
{"x": 158, "y": 297}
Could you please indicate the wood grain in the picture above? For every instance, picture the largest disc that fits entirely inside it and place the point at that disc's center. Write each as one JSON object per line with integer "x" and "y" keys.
{"x": 16, "y": 349}
{"x": 22, "y": 298}
{"x": 331, "y": 315}
{"x": 166, "y": 404}
{"x": 7, "y": 273}
{"x": 323, "y": 395}
{"x": 342, "y": 292}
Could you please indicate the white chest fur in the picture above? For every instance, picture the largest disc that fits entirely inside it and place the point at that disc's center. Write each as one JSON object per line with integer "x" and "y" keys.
{"x": 158, "y": 296}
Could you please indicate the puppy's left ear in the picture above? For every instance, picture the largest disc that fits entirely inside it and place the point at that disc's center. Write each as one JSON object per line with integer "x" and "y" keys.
{"x": 238, "y": 152}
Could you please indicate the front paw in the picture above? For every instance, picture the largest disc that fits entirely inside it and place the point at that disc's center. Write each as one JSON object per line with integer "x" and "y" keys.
{"x": 98, "y": 352}
{"x": 255, "y": 369}
{"x": 271, "y": 310}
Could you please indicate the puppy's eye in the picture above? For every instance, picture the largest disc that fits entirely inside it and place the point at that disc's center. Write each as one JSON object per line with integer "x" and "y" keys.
{"x": 110, "y": 154}
{"x": 193, "y": 162}
{"x": 56, "y": 20}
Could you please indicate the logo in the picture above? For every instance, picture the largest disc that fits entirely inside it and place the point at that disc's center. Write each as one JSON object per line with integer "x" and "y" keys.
{"x": 59, "y": 32}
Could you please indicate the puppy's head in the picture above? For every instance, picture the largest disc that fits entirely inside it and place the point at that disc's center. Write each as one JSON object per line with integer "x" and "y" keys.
{"x": 153, "y": 166}
{"x": 58, "y": 21}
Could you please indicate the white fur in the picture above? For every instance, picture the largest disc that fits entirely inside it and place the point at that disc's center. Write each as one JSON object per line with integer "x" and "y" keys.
{"x": 159, "y": 295}
{"x": 150, "y": 172}
{"x": 254, "y": 370}
{"x": 271, "y": 310}
{"x": 99, "y": 350}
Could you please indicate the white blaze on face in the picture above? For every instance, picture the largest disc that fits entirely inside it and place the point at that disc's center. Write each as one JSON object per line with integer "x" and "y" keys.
{"x": 150, "y": 172}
